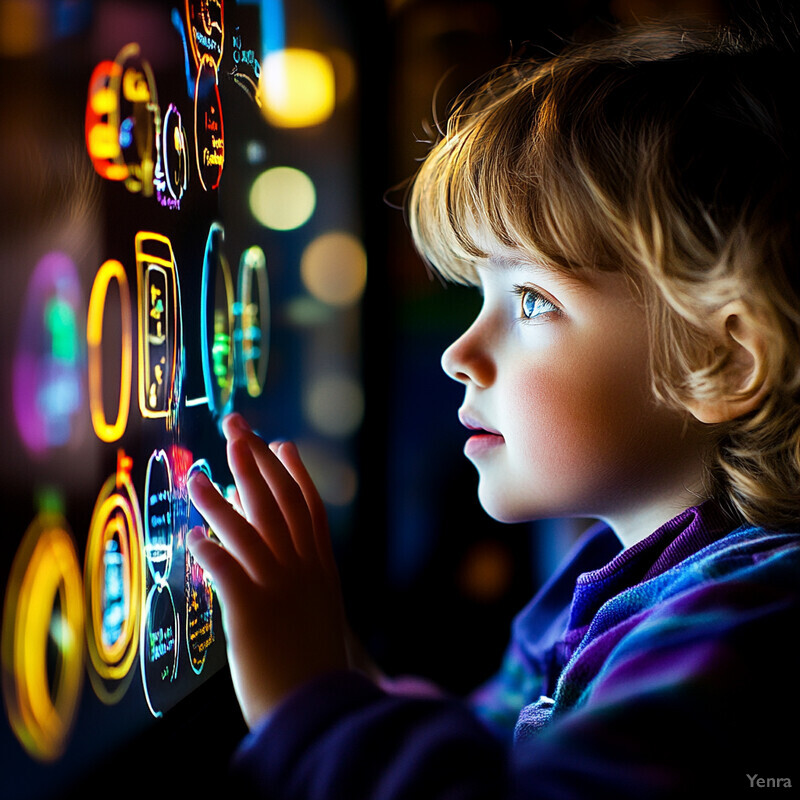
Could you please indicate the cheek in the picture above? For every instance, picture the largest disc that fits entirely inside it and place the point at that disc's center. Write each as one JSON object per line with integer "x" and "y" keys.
{"x": 557, "y": 424}
{"x": 576, "y": 417}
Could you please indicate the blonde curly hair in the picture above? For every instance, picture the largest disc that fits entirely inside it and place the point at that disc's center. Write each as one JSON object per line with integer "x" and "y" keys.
{"x": 673, "y": 158}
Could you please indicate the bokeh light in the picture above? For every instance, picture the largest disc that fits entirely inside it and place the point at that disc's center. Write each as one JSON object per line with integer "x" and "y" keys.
{"x": 344, "y": 70}
{"x": 297, "y": 88}
{"x": 43, "y": 617}
{"x": 486, "y": 571}
{"x": 23, "y": 27}
{"x": 48, "y": 369}
{"x": 334, "y": 268}
{"x": 334, "y": 405}
{"x": 283, "y": 198}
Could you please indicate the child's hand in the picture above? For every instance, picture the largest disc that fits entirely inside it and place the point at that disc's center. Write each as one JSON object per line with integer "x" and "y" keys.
{"x": 275, "y": 573}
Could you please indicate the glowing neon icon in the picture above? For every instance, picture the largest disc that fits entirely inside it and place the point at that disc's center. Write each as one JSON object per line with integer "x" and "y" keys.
{"x": 139, "y": 115}
{"x": 172, "y": 167}
{"x": 158, "y": 648}
{"x": 122, "y": 120}
{"x": 205, "y": 22}
{"x": 246, "y": 68}
{"x": 109, "y": 271}
{"x": 217, "y": 322}
{"x": 253, "y": 332}
{"x": 114, "y": 584}
{"x": 159, "y": 324}
{"x": 102, "y": 123}
{"x": 209, "y": 134}
{"x": 159, "y": 517}
{"x": 48, "y": 365}
{"x": 42, "y": 616}
{"x": 198, "y": 588}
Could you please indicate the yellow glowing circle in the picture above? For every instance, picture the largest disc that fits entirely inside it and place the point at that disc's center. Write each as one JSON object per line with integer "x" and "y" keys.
{"x": 45, "y": 572}
{"x": 334, "y": 268}
{"x": 297, "y": 88}
{"x": 116, "y": 516}
{"x": 109, "y": 432}
{"x": 283, "y": 198}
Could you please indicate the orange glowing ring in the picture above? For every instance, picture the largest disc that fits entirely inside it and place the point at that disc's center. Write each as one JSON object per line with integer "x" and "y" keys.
{"x": 113, "y": 662}
{"x": 209, "y": 129}
{"x": 45, "y": 570}
{"x": 110, "y": 270}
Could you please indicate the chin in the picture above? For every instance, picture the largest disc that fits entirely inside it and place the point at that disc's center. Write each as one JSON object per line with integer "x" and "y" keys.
{"x": 500, "y": 509}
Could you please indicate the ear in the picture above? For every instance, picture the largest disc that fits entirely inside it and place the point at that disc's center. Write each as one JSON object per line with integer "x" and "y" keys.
{"x": 744, "y": 373}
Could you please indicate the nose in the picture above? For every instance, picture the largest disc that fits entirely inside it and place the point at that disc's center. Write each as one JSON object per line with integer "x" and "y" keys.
{"x": 468, "y": 360}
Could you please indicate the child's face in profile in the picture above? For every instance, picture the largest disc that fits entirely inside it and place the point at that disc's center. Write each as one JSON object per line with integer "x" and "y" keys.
{"x": 557, "y": 386}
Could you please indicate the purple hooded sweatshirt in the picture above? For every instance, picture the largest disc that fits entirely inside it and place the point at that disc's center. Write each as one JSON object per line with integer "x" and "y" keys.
{"x": 670, "y": 669}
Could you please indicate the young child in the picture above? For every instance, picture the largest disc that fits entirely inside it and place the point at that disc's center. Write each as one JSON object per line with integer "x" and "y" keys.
{"x": 628, "y": 212}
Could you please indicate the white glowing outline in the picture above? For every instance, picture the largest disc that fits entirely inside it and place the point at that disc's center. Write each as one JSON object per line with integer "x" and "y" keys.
{"x": 161, "y": 457}
{"x": 175, "y": 192}
{"x": 143, "y": 644}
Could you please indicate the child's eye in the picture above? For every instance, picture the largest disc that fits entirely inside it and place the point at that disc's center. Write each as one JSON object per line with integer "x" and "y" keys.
{"x": 533, "y": 304}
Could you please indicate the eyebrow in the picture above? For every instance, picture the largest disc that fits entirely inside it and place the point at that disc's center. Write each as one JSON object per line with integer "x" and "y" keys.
{"x": 566, "y": 279}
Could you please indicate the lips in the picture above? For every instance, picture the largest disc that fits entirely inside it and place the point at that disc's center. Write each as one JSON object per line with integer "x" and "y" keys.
{"x": 471, "y": 422}
{"x": 483, "y": 439}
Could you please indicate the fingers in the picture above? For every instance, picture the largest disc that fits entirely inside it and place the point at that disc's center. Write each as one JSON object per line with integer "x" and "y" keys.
{"x": 261, "y": 506}
{"x": 236, "y": 534}
{"x": 290, "y": 457}
{"x": 282, "y": 506}
{"x": 289, "y": 496}
{"x": 225, "y": 570}
{"x": 235, "y": 501}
